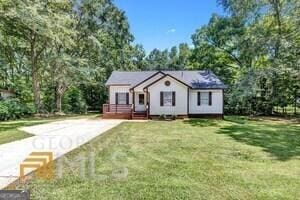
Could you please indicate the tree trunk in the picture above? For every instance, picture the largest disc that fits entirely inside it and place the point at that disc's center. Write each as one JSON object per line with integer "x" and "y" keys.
{"x": 295, "y": 102}
{"x": 34, "y": 75}
{"x": 58, "y": 102}
{"x": 61, "y": 88}
{"x": 276, "y": 4}
{"x": 36, "y": 90}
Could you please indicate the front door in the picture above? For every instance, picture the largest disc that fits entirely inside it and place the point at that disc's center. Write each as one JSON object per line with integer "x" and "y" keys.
{"x": 140, "y": 102}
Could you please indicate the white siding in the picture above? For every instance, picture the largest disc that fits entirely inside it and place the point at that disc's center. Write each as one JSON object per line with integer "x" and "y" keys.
{"x": 6, "y": 95}
{"x": 144, "y": 84}
{"x": 181, "y": 90}
{"x": 114, "y": 89}
{"x": 215, "y": 108}
{"x": 181, "y": 98}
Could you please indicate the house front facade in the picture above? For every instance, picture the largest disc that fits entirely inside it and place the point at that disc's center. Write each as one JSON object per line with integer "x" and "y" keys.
{"x": 150, "y": 94}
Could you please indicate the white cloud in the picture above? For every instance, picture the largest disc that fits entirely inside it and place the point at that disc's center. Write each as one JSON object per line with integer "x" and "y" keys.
{"x": 172, "y": 30}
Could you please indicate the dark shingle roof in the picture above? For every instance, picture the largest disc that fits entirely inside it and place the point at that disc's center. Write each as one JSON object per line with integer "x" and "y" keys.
{"x": 195, "y": 79}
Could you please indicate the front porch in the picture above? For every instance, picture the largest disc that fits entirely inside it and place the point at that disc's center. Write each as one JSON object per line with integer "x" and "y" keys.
{"x": 127, "y": 103}
{"x": 123, "y": 111}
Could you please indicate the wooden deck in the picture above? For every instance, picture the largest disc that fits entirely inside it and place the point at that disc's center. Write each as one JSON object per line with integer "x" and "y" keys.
{"x": 122, "y": 111}
{"x": 116, "y": 115}
{"x": 117, "y": 111}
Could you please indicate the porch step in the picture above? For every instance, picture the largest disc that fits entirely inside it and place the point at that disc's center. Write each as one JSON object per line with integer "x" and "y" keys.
{"x": 139, "y": 118}
{"x": 139, "y": 115}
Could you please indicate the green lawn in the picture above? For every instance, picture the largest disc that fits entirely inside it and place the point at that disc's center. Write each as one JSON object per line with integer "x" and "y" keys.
{"x": 9, "y": 129}
{"x": 237, "y": 158}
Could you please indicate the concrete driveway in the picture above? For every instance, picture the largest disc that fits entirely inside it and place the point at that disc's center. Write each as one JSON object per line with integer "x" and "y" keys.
{"x": 57, "y": 137}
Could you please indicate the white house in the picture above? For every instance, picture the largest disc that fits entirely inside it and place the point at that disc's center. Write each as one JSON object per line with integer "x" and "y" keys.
{"x": 5, "y": 94}
{"x": 148, "y": 94}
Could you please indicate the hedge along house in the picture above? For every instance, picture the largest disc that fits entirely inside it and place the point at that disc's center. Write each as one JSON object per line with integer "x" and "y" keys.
{"x": 149, "y": 94}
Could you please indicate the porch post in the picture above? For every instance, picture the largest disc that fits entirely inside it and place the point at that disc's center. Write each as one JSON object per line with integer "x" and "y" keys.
{"x": 147, "y": 104}
{"x": 133, "y": 100}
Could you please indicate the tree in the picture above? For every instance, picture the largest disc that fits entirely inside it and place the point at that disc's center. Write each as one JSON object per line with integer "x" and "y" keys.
{"x": 253, "y": 49}
{"x": 184, "y": 55}
{"x": 56, "y": 45}
{"x": 158, "y": 60}
{"x": 37, "y": 24}
{"x": 139, "y": 56}
{"x": 104, "y": 42}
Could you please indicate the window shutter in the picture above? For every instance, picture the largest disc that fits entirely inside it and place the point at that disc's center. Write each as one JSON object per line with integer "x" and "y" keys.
{"x": 173, "y": 98}
{"x": 161, "y": 99}
{"x": 117, "y": 98}
{"x": 209, "y": 99}
{"x": 127, "y": 98}
{"x": 198, "y": 98}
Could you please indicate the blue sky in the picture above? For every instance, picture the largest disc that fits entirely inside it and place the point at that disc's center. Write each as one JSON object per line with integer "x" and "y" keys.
{"x": 164, "y": 23}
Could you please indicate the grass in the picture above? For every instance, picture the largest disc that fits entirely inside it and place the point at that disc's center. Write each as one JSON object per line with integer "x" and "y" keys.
{"x": 237, "y": 158}
{"x": 9, "y": 130}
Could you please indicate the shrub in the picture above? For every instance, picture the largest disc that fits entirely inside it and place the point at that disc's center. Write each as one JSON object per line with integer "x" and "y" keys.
{"x": 73, "y": 101}
{"x": 49, "y": 98}
{"x": 162, "y": 117}
{"x": 3, "y": 111}
{"x": 30, "y": 109}
{"x": 14, "y": 109}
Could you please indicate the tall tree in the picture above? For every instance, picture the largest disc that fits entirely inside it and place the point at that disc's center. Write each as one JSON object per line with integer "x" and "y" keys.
{"x": 37, "y": 24}
{"x": 184, "y": 55}
{"x": 158, "y": 60}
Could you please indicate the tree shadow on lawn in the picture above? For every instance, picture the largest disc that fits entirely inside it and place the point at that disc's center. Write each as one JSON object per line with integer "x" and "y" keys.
{"x": 280, "y": 140}
{"x": 202, "y": 122}
{"x": 11, "y": 125}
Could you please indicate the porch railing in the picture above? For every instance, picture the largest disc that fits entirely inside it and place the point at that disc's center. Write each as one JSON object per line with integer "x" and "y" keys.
{"x": 117, "y": 108}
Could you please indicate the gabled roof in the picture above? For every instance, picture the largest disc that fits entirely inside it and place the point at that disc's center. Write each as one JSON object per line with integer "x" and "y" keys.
{"x": 205, "y": 79}
{"x": 153, "y": 75}
{"x": 128, "y": 78}
{"x": 166, "y": 75}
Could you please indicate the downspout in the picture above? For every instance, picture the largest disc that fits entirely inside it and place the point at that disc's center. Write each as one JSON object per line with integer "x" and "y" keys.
{"x": 188, "y": 101}
{"x": 223, "y": 103}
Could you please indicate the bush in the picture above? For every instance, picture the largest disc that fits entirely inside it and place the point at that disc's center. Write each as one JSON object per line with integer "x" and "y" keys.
{"x": 30, "y": 109}
{"x": 73, "y": 101}
{"x": 3, "y": 111}
{"x": 162, "y": 117}
{"x": 174, "y": 117}
{"x": 14, "y": 109}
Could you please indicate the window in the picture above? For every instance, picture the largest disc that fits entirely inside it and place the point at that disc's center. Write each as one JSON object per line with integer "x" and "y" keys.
{"x": 167, "y": 83}
{"x": 167, "y": 98}
{"x": 141, "y": 99}
{"x": 204, "y": 98}
{"x": 122, "y": 98}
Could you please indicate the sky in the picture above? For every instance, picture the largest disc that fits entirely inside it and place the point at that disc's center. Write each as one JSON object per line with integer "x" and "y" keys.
{"x": 165, "y": 23}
